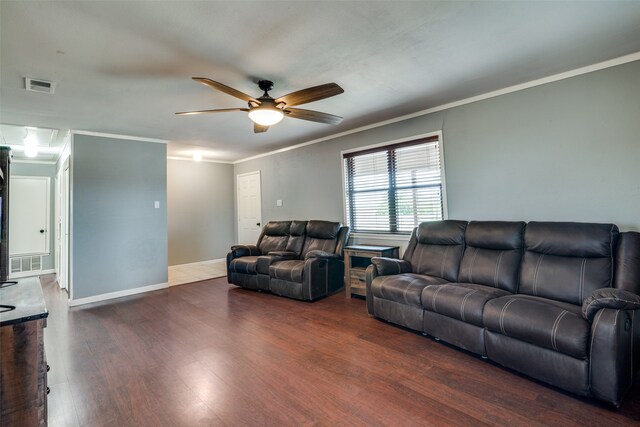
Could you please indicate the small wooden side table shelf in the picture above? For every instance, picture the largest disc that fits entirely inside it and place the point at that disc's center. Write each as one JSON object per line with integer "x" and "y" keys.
{"x": 356, "y": 260}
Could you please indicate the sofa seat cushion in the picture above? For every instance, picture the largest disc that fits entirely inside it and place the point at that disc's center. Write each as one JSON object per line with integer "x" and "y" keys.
{"x": 546, "y": 323}
{"x": 290, "y": 270}
{"x": 461, "y": 301}
{"x": 244, "y": 265}
{"x": 403, "y": 288}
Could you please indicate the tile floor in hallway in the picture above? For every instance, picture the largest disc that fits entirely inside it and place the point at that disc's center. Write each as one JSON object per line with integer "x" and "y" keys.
{"x": 194, "y": 272}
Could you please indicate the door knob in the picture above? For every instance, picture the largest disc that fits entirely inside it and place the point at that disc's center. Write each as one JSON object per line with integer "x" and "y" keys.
{"x": 41, "y": 231}
{"x": 258, "y": 224}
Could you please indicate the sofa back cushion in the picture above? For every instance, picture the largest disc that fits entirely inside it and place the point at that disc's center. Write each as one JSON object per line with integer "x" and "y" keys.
{"x": 274, "y": 236}
{"x": 321, "y": 236}
{"x": 493, "y": 253}
{"x": 296, "y": 236}
{"x": 566, "y": 261}
{"x": 627, "y": 268}
{"x": 436, "y": 247}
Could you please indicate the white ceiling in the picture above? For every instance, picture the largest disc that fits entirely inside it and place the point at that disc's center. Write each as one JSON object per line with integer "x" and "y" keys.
{"x": 124, "y": 67}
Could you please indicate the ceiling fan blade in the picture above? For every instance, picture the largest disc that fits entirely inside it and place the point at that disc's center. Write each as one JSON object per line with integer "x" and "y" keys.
{"x": 220, "y": 110}
{"x": 226, "y": 89}
{"x": 259, "y": 128}
{"x": 310, "y": 94}
{"x": 313, "y": 116}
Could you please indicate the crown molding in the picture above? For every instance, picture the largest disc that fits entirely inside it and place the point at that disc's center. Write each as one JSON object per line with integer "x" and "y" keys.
{"x": 190, "y": 159}
{"x": 116, "y": 136}
{"x": 516, "y": 88}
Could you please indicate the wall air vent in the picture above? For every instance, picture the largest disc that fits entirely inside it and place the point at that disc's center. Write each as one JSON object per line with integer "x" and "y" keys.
{"x": 38, "y": 85}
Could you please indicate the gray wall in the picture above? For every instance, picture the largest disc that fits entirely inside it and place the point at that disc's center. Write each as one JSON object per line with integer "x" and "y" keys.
{"x": 200, "y": 210}
{"x": 41, "y": 169}
{"x": 119, "y": 240}
{"x": 564, "y": 151}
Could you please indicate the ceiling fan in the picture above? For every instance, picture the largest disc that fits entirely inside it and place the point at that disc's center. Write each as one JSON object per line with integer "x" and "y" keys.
{"x": 266, "y": 111}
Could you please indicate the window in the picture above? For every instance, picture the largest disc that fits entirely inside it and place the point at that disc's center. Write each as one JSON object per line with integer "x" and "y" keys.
{"x": 393, "y": 188}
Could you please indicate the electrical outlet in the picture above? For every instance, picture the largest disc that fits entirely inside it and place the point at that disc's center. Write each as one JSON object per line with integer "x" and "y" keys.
{"x": 279, "y": 202}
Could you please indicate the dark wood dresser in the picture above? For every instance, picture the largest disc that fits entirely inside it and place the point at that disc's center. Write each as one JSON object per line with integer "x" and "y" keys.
{"x": 23, "y": 365}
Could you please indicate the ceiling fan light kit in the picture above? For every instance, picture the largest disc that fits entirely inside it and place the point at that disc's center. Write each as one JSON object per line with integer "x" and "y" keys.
{"x": 267, "y": 111}
{"x": 266, "y": 115}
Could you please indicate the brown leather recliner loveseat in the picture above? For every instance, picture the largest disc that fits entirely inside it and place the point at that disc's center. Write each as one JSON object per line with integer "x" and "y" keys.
{"x": 296, "y": 259}
{"x": 556, "y": 301}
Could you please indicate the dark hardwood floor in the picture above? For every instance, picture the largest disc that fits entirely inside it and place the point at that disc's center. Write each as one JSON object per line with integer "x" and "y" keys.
{"x": 209, "y": 354}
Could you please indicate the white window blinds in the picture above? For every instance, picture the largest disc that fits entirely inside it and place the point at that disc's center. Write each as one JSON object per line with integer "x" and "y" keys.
{"x": 392, "y": 189}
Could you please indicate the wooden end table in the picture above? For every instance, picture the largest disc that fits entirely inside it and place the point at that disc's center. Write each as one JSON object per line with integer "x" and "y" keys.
{"x": 356, "y": 260}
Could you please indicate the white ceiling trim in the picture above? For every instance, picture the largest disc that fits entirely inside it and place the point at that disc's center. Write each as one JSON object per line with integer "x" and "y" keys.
{"x": 190, "y": 159}
{"x": 116, "y": 136}
{"x": 37, "y": 162}
{"x": 545, "y": 80}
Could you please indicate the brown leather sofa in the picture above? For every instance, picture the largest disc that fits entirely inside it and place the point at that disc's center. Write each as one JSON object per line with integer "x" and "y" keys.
{"x": 296, "y": 259}
{"x": 559, "y": 302}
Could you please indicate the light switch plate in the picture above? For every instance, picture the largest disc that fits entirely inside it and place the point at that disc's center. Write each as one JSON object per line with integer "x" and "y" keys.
{"x": 156, "y": 204}
{"x": 279, "y": 202}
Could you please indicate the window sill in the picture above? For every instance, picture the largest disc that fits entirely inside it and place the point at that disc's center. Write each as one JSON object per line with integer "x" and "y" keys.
{"x": 373, "y": 236}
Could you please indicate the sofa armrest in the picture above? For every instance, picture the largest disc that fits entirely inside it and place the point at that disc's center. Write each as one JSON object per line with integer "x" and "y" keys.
{"x": 617, "y": 299}
{"x": 322, "y": 254}
{"x": 613, "y": 347}
{"x": 244, "y": 250}
{"x": 283, "y": 254}
{"x": 388, "y": 266}
{"x": 370, "y": 274}
{"x": 264, "y": 261}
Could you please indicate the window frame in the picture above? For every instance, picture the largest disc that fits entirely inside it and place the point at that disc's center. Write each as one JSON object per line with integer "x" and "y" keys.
{"x": 388, "y": 235}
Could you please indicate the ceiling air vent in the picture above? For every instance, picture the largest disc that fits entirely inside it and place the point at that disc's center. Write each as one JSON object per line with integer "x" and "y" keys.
{"x": 37, "y": 85}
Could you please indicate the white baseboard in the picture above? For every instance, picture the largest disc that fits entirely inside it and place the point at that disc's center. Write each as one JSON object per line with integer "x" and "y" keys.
{"x": 117, "y": 294}
{"x": 33, "y": 273}
{"x": 199, "y": 262}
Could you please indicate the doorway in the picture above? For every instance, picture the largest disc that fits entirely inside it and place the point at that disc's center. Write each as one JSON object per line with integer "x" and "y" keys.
{"x": 249, "y": 207}
{"x": 29, "y": 209}
{"x": 62, "y": 226}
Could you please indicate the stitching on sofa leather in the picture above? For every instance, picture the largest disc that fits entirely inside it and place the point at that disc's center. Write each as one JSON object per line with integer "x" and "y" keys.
{"x": 444, "y": 257}
{"x": 593, "y": 334}
{"x": 404, "y": 293}
{"x": 611, "y": 284}
{"x": 502, "y": 313}
{"x": 420, "y": 257}
{"x": 473, "y": 261}
{"x": 495, "y": 277}
{"x": 464, "y": 302}
{"x": 535, "y": 275}
{"x": 633, "y": 315}
{"x": 433, "y": 301}
{"x": 582, "y": 268}
{"x": 554, "y": 329}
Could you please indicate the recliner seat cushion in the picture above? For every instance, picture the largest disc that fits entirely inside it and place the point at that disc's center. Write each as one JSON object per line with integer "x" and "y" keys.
{"x": 404, "y": 288}
{"x": 544, "y": 323}
{"x": 290, "y": 270}
{"x": 461, "y": 301}
{"x": 244, "y": 265}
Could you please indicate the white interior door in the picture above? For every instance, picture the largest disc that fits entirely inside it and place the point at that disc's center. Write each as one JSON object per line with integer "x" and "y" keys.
{"x": 63, "y": 272}
{"x": 249, "y": 207}
{"x": 29, "y": 216}
{"x": 62, "y": 212}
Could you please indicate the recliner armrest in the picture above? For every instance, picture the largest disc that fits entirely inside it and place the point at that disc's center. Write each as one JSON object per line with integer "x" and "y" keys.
{"x": 244, "y": 250}
{"x": 322, "y": 254}
{"x": 388, "y": 266}
{"x": 618, "y": 299}
{"x": 283, "y": 254}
